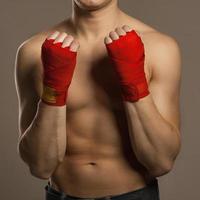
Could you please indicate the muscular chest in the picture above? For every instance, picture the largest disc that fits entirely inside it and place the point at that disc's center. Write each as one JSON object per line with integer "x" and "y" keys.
{"x": 95, "y": 80}
{"x": 95, "y": 110}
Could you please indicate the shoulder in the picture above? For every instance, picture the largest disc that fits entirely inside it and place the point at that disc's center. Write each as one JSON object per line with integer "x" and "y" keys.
{"x": 27, "y": 61}
{"x": 28, "y": 55}
{"x": 152, "y": 38}
{"x": 28, "y": 65}
{"x": 28, "y": 70}
{"x": 164, "y": 54}
{"x": 30, "y": 49}
{"x": 161, "y": 50}
{"x": 160, "y": 45}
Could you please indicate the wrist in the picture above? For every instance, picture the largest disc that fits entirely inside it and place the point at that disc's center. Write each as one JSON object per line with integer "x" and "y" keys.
{"x": 54, "y": 97}
{"x": 135, "y": 91}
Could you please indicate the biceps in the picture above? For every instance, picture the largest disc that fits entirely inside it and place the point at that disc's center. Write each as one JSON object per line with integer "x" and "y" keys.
{"x": 28, "y": 97}
{"x": 165, "y": 95}
{"x": 27, "y": 113}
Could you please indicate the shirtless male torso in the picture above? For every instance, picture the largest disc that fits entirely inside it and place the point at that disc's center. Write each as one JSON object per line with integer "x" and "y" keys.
{"x": 89, "y": 148}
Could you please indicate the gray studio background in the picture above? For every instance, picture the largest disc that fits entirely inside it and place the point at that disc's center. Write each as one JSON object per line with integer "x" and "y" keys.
{"x": 20, "y": 19}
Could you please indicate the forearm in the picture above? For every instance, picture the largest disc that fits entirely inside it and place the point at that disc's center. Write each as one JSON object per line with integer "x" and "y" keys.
{"x": 43, "y": 144}
{"x": 155, "y": 141}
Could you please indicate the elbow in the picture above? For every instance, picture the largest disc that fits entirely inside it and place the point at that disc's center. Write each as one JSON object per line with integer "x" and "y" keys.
{"x": 43, "y": 170}
{"x": 35, "y": 171}
{"x": 40, "y": 173}
{"x": 39, "y": 169}
{"x": 162, "y": 168}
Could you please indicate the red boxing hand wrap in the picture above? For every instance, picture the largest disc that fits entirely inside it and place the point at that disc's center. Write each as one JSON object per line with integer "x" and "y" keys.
{"x": 127, "y": 56}
{"x": 58, "y": 64}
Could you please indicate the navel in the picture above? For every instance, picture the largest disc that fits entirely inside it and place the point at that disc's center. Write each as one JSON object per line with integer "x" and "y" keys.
{"x": 91, "y": 163}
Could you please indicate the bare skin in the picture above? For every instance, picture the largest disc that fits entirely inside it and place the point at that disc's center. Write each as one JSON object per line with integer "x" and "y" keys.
{"x": 91, "y": 147}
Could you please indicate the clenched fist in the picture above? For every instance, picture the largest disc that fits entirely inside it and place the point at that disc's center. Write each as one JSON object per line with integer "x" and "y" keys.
{"x": 126, "y": 51}
{"x": 58, "y": 56}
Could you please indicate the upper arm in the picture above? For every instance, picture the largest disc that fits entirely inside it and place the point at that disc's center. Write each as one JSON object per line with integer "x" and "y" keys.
{"x": 166, "y": 78}
{"x": 27, "y": 84}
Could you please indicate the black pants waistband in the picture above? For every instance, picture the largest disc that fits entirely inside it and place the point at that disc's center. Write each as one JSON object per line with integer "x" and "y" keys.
{"x": 149, "y": 192}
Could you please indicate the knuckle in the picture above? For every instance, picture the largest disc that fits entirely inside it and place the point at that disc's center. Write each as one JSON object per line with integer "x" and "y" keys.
{"x": 111, "y": 33}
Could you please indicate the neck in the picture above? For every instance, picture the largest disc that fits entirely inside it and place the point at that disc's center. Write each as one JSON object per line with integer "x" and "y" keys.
{"x": 95, "y": 23}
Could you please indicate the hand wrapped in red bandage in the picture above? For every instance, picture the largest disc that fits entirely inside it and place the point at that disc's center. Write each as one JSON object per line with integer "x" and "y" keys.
{"x": 59, "y": 59}
{"x": 126, "y": 51}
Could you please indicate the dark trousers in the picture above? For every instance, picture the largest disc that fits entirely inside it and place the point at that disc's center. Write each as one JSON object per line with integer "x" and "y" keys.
{"x": 149, "y": 192}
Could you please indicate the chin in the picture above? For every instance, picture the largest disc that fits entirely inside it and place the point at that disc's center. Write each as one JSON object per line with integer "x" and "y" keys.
{"x": 92, "y": 4}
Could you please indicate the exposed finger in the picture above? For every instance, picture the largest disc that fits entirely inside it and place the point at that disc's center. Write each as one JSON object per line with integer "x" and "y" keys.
{"x": 120, "y": 31}
{"x": 113, "y": 35}
{"x": 67, "y": 41}
{"x": 127, "y": 28}
{"x": 60, "y": 37}
{"x": 107, "y": 40}
{"x": 53, "y": 35}
{"x": 74, "y": 46}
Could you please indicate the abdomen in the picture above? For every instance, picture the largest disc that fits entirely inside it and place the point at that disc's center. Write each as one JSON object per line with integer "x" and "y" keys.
{"x": 99, "y": 158}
